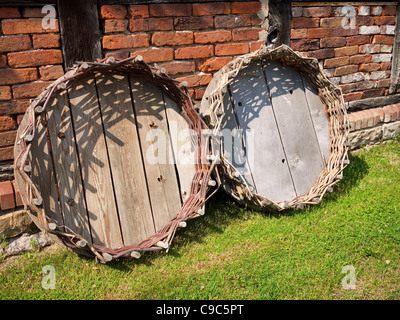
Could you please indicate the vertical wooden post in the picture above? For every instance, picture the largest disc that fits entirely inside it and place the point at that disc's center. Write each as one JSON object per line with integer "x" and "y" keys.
{"x": 279, "y": 18}
{"x": 80, "y": 30}
{"x": 395, "y": 76}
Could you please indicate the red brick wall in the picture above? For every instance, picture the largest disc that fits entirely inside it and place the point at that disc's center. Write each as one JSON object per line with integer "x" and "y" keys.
{"x": 30, "y": 59}
{"x": 357, "y": 59}
{"x": 191, "y": 41}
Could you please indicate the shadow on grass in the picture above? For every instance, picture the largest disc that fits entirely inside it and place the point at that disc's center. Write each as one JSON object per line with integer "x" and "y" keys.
{"x": 222, "y": 210}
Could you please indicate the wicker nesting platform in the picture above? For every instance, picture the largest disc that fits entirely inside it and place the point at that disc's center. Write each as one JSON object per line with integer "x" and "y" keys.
{"x": 280, "y": 129}
{"x": 98, "y": 159}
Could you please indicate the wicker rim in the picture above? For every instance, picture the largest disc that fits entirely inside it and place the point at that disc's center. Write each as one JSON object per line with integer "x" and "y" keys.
{"x": 212, "y": 108}
{"x": 192, "y": 206}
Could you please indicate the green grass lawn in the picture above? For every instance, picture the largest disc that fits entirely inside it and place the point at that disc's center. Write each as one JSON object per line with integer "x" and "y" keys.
{"x": 235, "y": 253}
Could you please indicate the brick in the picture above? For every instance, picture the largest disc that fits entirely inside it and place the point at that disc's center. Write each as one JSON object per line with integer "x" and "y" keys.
{"x": 354, "y": 77}
{"x": 34, "y": 58}
{"x": 196, "y": 52}
{"x": 333, "y": 42}
{"x": 390, "y": 113}
{"x": 369, "y": 30}
{"x": 389, "y": 11}
{"x": 170, "y": 10}
{"x": 151, "y": 24}
{"x": 369, "y": 67}
{"x": 14, "y": 106}
{"x": 370, "y": 48}
{"x": 179, "y": 38}
{"x": 123, "y": 41}
{"x": 3, "y": 60}
{"x": 226, "y": 22}
{"x": 9, "y": 12}
{"x": 7, "y": 123}
{"x": 382, "y": 39}
{"x": 15, "y": 43}
{"x": 118, "y": 54}
{"x": 332, "y": 22}
{"x": 364, "y": 10}
{"x": 193, "y": 23}
{"x": 26, "y": 26}
{"x": 317, "y": 12}
{"x": 214, "y": 64}
{"x": 211, "y": 9}
{"x": 319, "y": 33}
{"x": 346, "y": 51}
{"x": 299, "y": 33}
{"x": 348, "y": 87}
{"x": 384, "y": 83}
{"x": 302, "y": 22}
{"x": 51, "y": 72}
{"x": 385, "y": 20}
{"x": 113, "y": 12}
{"x": 341, "y": 71}
{"x": 352, "y": 96}
{"x": 321, "y": 53}
{"x": 376, "y": 10}
{"x": 199, "y": 93}
{"x": 386, "y": 65}
{"x": 357, "y": 40}
{"x": 305, "y": 44}
{"x": 29, "y": 90}
{"x": 6, "y": 195}
{"x": 373, "y": 93}
{"x": 18, "y": 199}
{"x": 378, "y": 75}
{"x": 385, "y": 48}
{"x": 256, "y": 45}
{"x": 360, "y": 58}
{"x": 344, "y": 32}
{"x": 138, "y": 11}
{"x": 156, "y": 55}
{"x": 382, "y": 57}
{"x": 114, "y": 25}
{"x": 231, "y": 49}
{"x": 7, "y": 138}
{"x": 6, "y": 153}
{"x": 246, "y": 7}
{"x": 365, "y": 21}
{"x": 46, "y": 41}
{"x": 212, "y": 36}
{"x": 336, "y": 62}
{"x": 5, "y": 93}
{"x": 14, "y": 76}
{"x": 174, "y": 68}
{"x": 33, "y": 12}
{"x": 196, "y": 80}
{"x": 246, "y": 34}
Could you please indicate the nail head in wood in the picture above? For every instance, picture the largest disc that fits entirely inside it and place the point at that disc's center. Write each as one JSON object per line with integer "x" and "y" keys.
{"x": 182, "y": 224}
{"x": 82, "y": 243}
{"x": 27, "y": 168}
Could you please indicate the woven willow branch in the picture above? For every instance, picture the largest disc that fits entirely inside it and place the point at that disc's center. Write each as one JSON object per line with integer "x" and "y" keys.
{"x": 213, "y": 111}
{"x": 191, "y": 207}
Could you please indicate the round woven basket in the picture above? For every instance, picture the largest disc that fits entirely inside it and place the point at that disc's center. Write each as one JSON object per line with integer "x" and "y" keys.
{"x": 218, "y": 99}
{"x": 42, "y": 195}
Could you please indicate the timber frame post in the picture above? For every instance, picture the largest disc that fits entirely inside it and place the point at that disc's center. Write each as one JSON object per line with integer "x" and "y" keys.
{"x": 279, "y": 22}
{"x": 80, "y": 31}
{"x": 395, "y": 75}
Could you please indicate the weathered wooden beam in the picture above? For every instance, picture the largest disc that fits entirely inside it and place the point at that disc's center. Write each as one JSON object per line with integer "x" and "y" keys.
{"x": 369, "y": 103}
{"x": 395, "y": 74}
{"x": 80, "y": 30}
{"x": 279, "y": 17}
